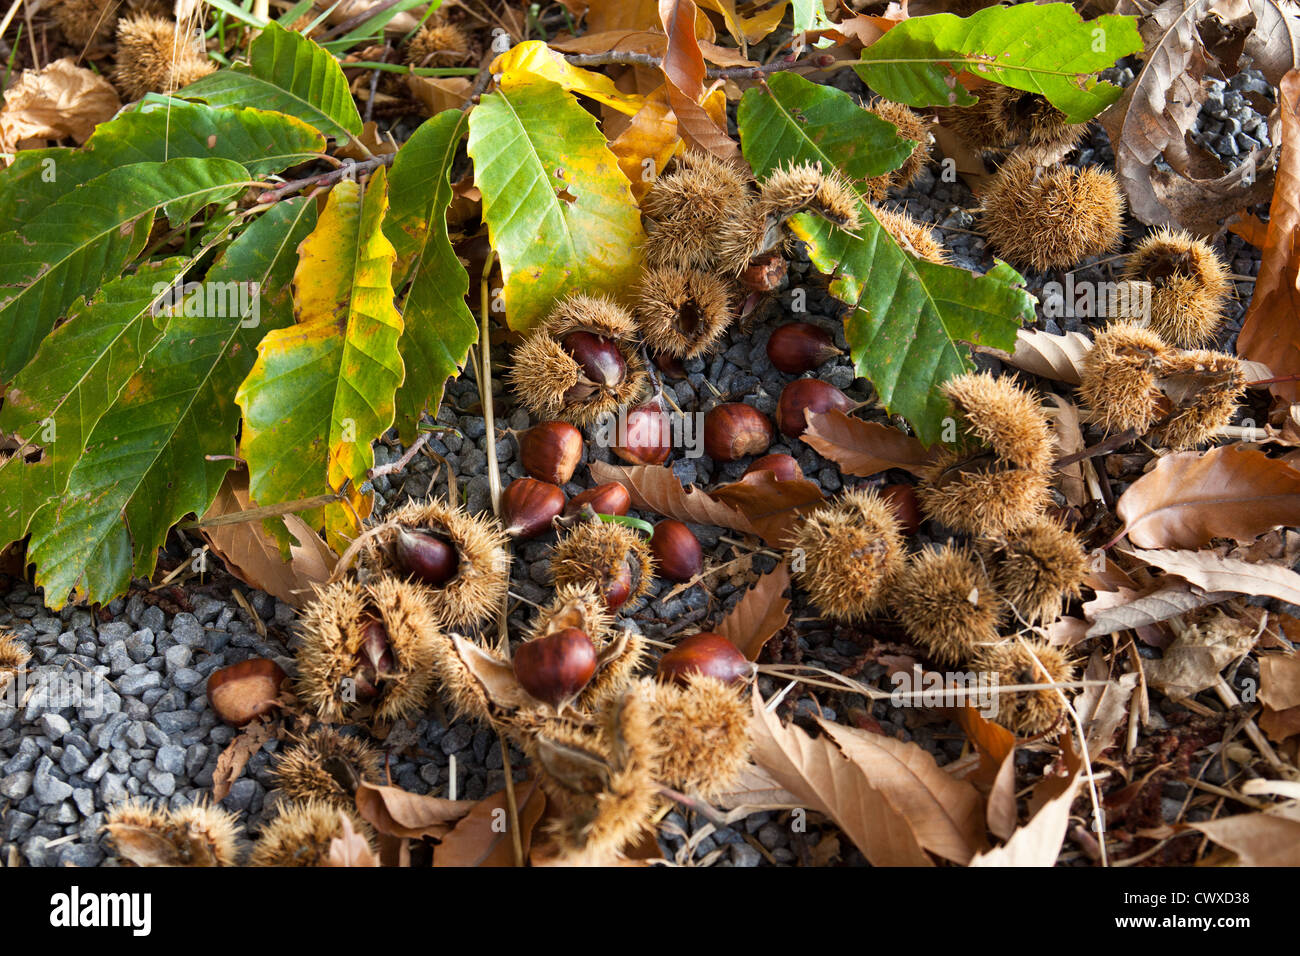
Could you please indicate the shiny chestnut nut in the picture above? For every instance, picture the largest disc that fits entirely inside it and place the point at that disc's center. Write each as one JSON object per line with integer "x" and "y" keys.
{"x": 804, "y": 395}
{"x": 705, "y": 653}
{"x": 647, "y": 436}
{"x": 556, "y": 668}
{"x": 734, "y": 430}
{"x": 551, "y": 451}
{"x": 598, "y": 357}
{"x": 670, "y": 365}
{"x": 375, "y": 658}
{"x": 528, "y": 506}
{"x": 611, "y": 498}
{"x": 799, "y": 347}
{"x": 243, "y": 692}
{"x": 676, "y": 550}
{"x": 424, "y": 556}
{"x": 783, "y": 466}
{"x": 902, "y": 498}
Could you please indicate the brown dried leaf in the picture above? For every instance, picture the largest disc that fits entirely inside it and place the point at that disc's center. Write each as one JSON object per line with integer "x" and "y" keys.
{"x": 482, "y": 837}
{"x": 1103, "y": 708}
{"x": 1189, "y": 498}
{"x": 438, "y": 93}
{"x": 253, "y": 556}
{"x": 495, "y": 675}
{"x": 826, "y": 781}
{"x": 1038, "y": 842}
{"x": 1279, "y": 680}
{"x": 1069, "y": 440}
{"x": 62, "y": 100}
{"x": 946, "y": 814}
{"x": 1001, "y": 813}
{"x": 231, "y": 763}
{"x": 758, "y": 615}
{"x": 400, "y": 813}
{"x": 1269, "y": 331}
{"x": 1047, "y": 355}
{"x": 655, "y": 488}
{"x": 1212, "y": 572}
{"x": 684, "y": 70}
{"x": 1258, "y": 839}
{"x": 993, "y": 741}
{"x": 863, "y": 448}
{"x": 771, "y": 506}
{"x": 650, "y": 134}
{"x": 1136, "y": 611}
{"x": 754, "y": 791}
{"x": 350, "y": 848}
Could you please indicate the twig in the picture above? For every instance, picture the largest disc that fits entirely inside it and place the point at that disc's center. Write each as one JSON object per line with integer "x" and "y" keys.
{"x": 392, "y": 466}
{"x": 1102, "y": 447}
{"x": 699, "y": 806}
{"x": 512, "y": 808}
{"x": 327, "y": 178}
{"x": 352, "y": 22}
{"x": 1229, "y": 697}
{"x": 265, "y": 511}
{"x": 627, "y": 58}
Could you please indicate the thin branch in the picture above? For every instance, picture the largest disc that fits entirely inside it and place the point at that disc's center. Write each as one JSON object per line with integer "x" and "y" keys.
{"x": 627, "y": 58}
{"x": 329, "y": 178}
{"x": 402, "y": 462}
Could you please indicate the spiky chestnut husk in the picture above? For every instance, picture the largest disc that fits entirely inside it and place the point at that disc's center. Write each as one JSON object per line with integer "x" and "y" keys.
{"x": 910, "y": 125}
{"x": 690, "y": 207}
{"x": 326, "y": 765}
{"x": 153, "y": 56}
{"x": 946, "y": 603}
{"x": 806, "y": 186}
{"x": 978, "y": 495}
{"x": 1005, "y": 118}
{"x": 913, "y": 236}
{"x": 1037, "y": 569}
{"x": 1052, "y": 218}
{"x": 852, "y": 550}
{"x": 13, "y": 658}
{"x": 701, "y": 733}
{"x": 1001, "y": 415}
{"x": 334, "y": 631}
{"x": 437, "y": 44}
{"x": 579, "y": 605}
{"x": 755, "y": 232}
{"x": 1204, "y": 387}
{"x": 599, "y": 777}
{"x": 543, "y": 372}
{"x": 682, "y": 313}
{"x": 1033, "y": 712}
{"x": 594, "y": 551}
{"x": 301, "y": 832}
{"x": 482, "y": 571}
{"x": 194, "y": 835}
{"x": 82, "y": 21}
{"x": 1190, "y": 285}
{"x": 1120, "y": 377}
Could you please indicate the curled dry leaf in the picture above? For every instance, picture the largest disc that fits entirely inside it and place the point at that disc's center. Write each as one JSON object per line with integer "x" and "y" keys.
{"x": 1047, "y": 355}
{"x": 824, "y": 780}
{"x": 1211, "y": 572}
{"x": 945, "y": 813}
{"x": 1190, "y": 498}
{"x": 350, "y": 848}
{"x": 60, "y": 101}
{"x": 683, "y": 67}
{"x": 478, "y": 839}
{"x": 1258, "y": 839}
{"x": 1069, "y": 441}
{"x": 253, "y": 556}
{"x": 231, "y": 763}
{"x": 1140, "y": 611}
{"x": 771, "y": 506}
{"x": 1269, "y": 331}
{"x": 1193, "y": 661}
{"x": 1001, "y": 813}
{"x": 1279, "y": 681}
{"x": 761, "y": 612}
{"x": 400, "y": 813}
{"x": 655, "y": 488}
{"x": 1038, "y": 842}
{"x": 863, "y": 448}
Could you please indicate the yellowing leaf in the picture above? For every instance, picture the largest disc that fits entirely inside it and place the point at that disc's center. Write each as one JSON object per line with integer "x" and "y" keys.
{"x": 322, "y": 390}
{"x": 533, "y": 59}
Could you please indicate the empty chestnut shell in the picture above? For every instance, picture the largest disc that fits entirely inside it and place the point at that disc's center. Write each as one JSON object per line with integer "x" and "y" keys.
{"x": 243, "y": 692}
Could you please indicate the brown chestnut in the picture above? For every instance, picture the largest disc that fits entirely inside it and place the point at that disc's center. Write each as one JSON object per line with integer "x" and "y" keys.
{"x": 611, "y": 498}
{"x": 528, "y": 506}
{"x": 556, "y": 668}
{"x": 618, "y": 586}
{"x": 799, "y": 347}
{"x": 902, "y": 498}
{"x": 705, "y": 653}
{"x": 647, "y": 435}
{"x": 598, "y": 357}
{"x": 783, "y": 466}
{"x": 676, "y": 550}
{"x": 807, "y": 394}
{"x": 424, "y": 556}
{"x": 243, "y": 692}
{"x": 551, "y": 451}
{"x": 670, "y": 365}
{"x": 734, "y": 430}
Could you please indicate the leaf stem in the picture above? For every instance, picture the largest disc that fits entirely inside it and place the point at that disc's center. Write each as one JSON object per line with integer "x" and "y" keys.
{"x": 329, "y": 178}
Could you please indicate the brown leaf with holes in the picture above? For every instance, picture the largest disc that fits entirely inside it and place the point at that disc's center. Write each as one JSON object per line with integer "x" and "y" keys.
{"x": 817, "y": 773}
{"x": 253, "y": 556}
{"x": 400, "y": 813}
{"x": 1269, "y": 331}
{"x": 1190, "y": 498}
{"x": 350, "y": 848}
{"x": 482, "y": 837}
{"x": 231, "y": 763}
{"x": 863, "y": 448}
{"x": 761, "y": 613}
{"x": 773, "y": 507}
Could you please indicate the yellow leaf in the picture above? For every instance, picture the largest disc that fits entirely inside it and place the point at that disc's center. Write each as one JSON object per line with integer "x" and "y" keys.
{"x": 531, "y": 59}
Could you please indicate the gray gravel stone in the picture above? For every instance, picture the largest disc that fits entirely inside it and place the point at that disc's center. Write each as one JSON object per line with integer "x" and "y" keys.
{"x": 48, "y": 788}
{"x": 171, "y": 759}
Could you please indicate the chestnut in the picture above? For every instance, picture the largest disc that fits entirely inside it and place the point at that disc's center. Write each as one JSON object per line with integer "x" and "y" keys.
{"x": 611, "y": 498}
{"x": 529, "y": 505}
{"x": 550, "y": 451}
{"x": 734, "y": 430}
{"x": 619, "y": 585}
{"x": 799, "y": 347}
{"x": 902, "y": 498}
{"x": 647, "y": 438}
{"x": 676, "y": 550}
{"x": 424, "y": 556}
{"x": 803, "y": 395}
{"x": 705, "y": 653}
{"x": 556, "y": 668}
{"x": 598, "y": 357}
{"x": 783, "y": 466}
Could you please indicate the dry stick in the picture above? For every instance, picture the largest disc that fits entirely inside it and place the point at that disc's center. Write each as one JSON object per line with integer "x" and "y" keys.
{"x": 355, "y": 21}
{"x": 1229, "y": 697}
{"x": 494, "y": 488}
{"x": 350, "y": 170}
{"x": 265, "y": 511}
{"x": 691, "y": 803}
{"x": 624, "y": 58}
{"x": 392, "y": 466}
